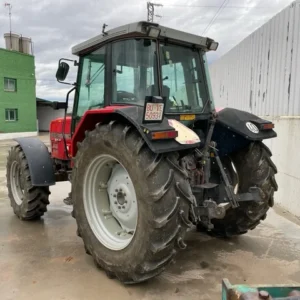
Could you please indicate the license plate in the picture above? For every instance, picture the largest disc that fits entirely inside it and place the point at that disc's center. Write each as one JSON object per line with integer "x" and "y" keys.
{"x": 154, "y": 111}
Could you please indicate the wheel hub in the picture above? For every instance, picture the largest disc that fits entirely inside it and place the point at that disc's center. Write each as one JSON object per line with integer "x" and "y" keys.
{"x": 122, "y": 198}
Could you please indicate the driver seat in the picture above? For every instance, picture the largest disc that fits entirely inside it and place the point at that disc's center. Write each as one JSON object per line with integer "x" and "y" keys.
{"x": 153, "y": 91}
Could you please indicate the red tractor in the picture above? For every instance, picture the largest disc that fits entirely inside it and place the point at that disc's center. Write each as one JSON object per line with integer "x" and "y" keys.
{"x": 146, "y": 152}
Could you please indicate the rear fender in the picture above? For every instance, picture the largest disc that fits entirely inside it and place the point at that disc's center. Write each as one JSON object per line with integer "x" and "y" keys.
{"x": 132, "y": 115}
{"x": 235, "y": 129}
{"x": 39, "y": 161}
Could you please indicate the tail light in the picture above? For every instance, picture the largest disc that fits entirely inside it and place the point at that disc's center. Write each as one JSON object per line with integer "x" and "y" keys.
{"x": 267, "y": 126}
{"x": 161, "y": 135}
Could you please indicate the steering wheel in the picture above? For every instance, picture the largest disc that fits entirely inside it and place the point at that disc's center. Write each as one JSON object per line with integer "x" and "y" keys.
{"x": 123, "y": 94}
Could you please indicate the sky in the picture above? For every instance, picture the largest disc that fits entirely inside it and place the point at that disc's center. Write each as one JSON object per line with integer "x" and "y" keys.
{"x": 57, "y": 25}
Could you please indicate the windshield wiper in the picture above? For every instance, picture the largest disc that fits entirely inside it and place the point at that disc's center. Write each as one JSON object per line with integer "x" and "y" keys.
{"x": 90, "y": 79}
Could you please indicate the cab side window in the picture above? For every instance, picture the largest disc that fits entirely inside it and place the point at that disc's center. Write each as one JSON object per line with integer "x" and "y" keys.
{"x": 92, "y": 81}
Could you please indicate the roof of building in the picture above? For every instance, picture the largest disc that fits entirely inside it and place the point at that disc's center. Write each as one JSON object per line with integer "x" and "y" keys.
{"x": 43, "y": 102}
{"x": 140, "y": 28}
{"x": 14, "y": 52}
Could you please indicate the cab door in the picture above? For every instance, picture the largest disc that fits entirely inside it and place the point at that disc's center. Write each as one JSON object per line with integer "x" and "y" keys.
{"x": 91, "y": 84}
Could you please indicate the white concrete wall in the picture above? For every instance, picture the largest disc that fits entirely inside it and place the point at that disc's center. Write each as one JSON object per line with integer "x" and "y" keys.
{"x": 261, "y": 75}
{"x": 45, "y": 115}
{"x": 285, "y": 149}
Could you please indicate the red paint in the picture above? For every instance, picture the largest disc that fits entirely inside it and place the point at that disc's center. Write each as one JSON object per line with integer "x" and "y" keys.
{"x": 56, "y": 137}
{"x": 88, "y": 122}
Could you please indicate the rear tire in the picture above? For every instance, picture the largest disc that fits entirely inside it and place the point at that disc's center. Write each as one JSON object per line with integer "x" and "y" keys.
{"x": 163, "y": 196}
{"x": 28, "y": 202}
{"x": 254, "y": 167}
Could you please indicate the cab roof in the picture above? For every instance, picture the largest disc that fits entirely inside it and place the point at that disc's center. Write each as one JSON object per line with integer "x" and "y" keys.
{"x": 141, "y": 28}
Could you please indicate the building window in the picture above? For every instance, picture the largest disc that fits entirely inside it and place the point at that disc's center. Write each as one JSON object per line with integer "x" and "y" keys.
{"x": 11, "y": 114}
{"x": 10, "y": 84}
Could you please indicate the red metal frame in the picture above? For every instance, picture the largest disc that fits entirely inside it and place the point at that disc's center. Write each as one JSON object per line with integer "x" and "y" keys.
{"x": 87, "y": 122}
{"x": 57, "y": 139}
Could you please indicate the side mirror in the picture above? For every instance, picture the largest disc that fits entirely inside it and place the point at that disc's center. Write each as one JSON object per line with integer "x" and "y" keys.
{"x": 62, "y": 71}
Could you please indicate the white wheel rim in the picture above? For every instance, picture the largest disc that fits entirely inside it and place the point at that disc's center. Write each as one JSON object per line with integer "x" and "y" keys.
{"x": 17, "y": 186}
{"x": 110, "y": 202}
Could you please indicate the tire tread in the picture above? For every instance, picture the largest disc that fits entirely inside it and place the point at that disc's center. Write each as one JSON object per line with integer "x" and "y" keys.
{"x": 163, "y": 235}
{"x": 35, "y": 199}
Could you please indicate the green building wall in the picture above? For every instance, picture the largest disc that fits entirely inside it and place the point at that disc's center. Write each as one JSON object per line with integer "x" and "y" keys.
{"x": 21, "y": 67}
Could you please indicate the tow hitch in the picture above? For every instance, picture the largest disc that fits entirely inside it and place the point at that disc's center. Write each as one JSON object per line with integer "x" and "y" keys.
{"x": 211, "y": 210}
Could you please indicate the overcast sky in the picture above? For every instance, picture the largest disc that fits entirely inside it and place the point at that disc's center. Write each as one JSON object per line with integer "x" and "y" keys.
{"x": 56, "y": 25}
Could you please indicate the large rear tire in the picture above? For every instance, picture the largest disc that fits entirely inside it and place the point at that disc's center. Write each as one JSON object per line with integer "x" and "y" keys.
{"x": 155, "y": 182}
{"x": 254, "y": 167}
{"x": 28, "y": 202}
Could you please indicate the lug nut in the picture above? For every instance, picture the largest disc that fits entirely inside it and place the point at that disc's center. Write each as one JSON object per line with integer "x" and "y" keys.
{"x": 125, "y": 201}
{"x": 119, "y": 207}
{"x": 116, "y": 190}
{"x": 123, "y": 207}
{"x": 115, "y": 195}
{"x": 124, "y": 194}
{"x": 116, "y": 202}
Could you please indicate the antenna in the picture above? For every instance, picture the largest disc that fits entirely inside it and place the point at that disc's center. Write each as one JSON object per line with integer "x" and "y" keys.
{"x": 103, "y": 29}
{"x": 150, "y": 11}
{"x": 9, "y": 12}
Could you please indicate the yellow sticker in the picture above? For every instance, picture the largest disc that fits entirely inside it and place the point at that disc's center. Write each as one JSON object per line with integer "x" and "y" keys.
{"x": 187, "y": 117}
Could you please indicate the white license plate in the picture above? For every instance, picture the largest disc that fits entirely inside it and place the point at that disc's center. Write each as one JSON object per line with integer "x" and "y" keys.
{"x": 154, "y": 111}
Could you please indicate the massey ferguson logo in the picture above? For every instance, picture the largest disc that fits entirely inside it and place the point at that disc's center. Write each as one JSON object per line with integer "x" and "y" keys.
{"x": 253, "y": 128}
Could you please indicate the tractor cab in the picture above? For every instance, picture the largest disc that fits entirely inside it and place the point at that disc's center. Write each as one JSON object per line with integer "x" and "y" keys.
{"x": 125, "y": 65}
{"x": 127, "y": 70}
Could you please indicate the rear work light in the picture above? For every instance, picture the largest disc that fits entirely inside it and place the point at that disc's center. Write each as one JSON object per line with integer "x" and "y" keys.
{"x": 211, "y": 44}
{"x": 214, "y": 46}
{"x": 162, "y": 135}
{"x": 153, "y": 31}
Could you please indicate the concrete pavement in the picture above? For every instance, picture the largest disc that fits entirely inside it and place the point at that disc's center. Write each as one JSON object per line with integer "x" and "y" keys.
{"x": 46, "y": 260}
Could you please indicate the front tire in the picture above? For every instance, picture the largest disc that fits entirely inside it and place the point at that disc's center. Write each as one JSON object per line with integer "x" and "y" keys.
{"x": 254, "y": 167}
{"x": 160, "y": 188}
{"x": 28, "y": 202}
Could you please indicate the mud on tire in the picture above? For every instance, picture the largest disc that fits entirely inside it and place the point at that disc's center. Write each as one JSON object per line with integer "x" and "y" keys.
{"x": 163, "y": 196}
{"x": 254, "y": 167}
{"x": 28, "y": 202}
